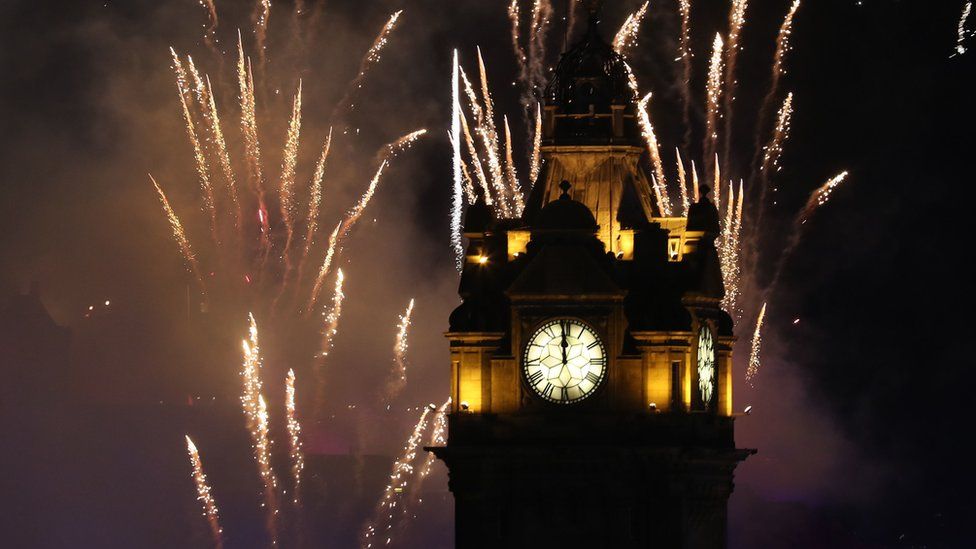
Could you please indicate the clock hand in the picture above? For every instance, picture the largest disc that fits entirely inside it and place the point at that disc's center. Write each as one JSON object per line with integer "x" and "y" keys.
{"x": 562, "y": 328}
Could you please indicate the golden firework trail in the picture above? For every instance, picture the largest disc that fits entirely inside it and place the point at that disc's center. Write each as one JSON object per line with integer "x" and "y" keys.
{"x": 468, "y": 183}
{"x": 728, "y": 252}
{"x": 714, "y": 94}
{"x": 199, "y": 89}
{"x": 737, "y": 19}
{"x": 783, "y": 46}
{"x": 536, "y": 147}
{"x": 372, "y": 56}
{"x": 626, "y": 37}
{"x": 756, "y": 348}
{"x": 718, "y": 184}
{"x": 180, "y": 236}
{"x": 335, "y": 241}
{"x": 201, "y": 160}
{"x": 326, "y": 264}
{"x": 479, "y": 170}
{"x": 315, "y": 201}
{"x": 961, "y": 33}
{"x": 223, "y": 155}
{"x": 781, "y": 133}
{"x": 820, "y": 197}
{"x": 329, "y": 331}
{"x": 438, "y": 437}
{"x": 694, "y": 182}
{"x": 778, "y": 70}
{"x": 682, "y": 183}
{"x": 262, "y": 452}
{"x": 685, "y": 55}
{"x": 490, "y": 145}
{"x": 457, "y": 200}
{"x": 404, "y": 142}
{"x": 382, "y": 522}
{"x": 510, "y": 174}
{"x": 289, "y": 160}
{"x": 514, "y": 16}
{"x": 252, "y": 147}
{"x": 541, "y": 14}
{"x": 647, "y": 130}
{"x": 399, "y": 377}
{"x": 262, "y": 13}
{"x": 205, "y": 495}
{"x": 256, "y": 416}
{"x": 294, "y": 437}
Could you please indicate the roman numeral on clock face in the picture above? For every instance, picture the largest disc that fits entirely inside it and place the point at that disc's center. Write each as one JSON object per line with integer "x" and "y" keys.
{"x": 563, "y": 393}
{"x": 596, "y": 361}
{"x": 535, "y": 378}
{"x": 547, "y": 392}
{"x": 592, "y": 378}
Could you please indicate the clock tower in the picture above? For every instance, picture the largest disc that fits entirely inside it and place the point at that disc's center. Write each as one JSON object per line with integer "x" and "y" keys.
{"x": 591, "y": 362}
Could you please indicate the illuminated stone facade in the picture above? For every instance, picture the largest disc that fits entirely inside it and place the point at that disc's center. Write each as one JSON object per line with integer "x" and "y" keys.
{"x": 645, "y": 459}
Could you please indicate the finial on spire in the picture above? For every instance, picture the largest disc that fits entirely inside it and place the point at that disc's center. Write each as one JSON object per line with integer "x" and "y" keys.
{"x": 565, "y": 185}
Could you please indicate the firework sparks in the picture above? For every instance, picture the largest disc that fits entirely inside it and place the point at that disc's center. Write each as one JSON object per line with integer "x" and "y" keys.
{"x": 372, "y": 57}
{"x": 201, "y": 160}
{"x": 961, "y": 33}
{"x": 204, "y": 494}
{"x": 694, "y": 182}
{"x": 252, "y": 146}
{"x": 399, "y": 378}
{"x": 457, "y": 165}
{"x": 256, "y": 416}
{"x": 331, "y": 328}
{"x": 510, "y": 174}
{"x": 335, "y": 241}
{"x": 685, "y": 55}
{"x": 262, "y": 13}
{"x": 820, "y": 197}
{"x": 774, "y": 150}
{"x": 728, "y": 252}
{"x": 626, "y": 37}
{"x": 289, "y": 160}
{"x": 737, "y": 19}
{"x": 479, "y": 170}
{"x": 315, "y": 200}
{"x": 714, "y": 93}
{"x": 647, "y": 130}
{"x": 399, "y": 477}
{"x": 222, "y": 154}
{"x": 754, "y": 355}
{"x": 536, "y": 147}
{"x": 490, "y": 143}
{"x": 294, "y": 436}
{"x": 783, "y": 46}
{"x": 514, "y": 16}
{"x": 180, "y": 236}
{"x": 682, "y": 183}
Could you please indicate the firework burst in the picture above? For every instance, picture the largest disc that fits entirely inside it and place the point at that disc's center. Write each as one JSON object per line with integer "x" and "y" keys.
{"x": 180, "y": 236}
{"x": 626, "y": 37}
{"x": 381, "y": 525}
{"x": 205, "y": 495}
{"x": 399, "y": 375}
{"x": 755, "y": 348}
{"x": 294, "y": 436}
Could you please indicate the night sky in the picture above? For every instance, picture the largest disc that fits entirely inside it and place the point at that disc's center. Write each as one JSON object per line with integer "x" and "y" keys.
{"x": 859, "y": 410}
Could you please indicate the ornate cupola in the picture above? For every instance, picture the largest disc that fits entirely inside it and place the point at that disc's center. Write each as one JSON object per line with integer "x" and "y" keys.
{"x": 590, "y": 136}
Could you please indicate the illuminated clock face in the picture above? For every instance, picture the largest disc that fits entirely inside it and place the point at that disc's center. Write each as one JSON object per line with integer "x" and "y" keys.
{"x": 565, "y": 361}
{"x": 706, "y": 365}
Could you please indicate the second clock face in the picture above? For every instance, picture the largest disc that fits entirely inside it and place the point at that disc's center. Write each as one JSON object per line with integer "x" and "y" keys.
{"x": 564, "y": 361}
